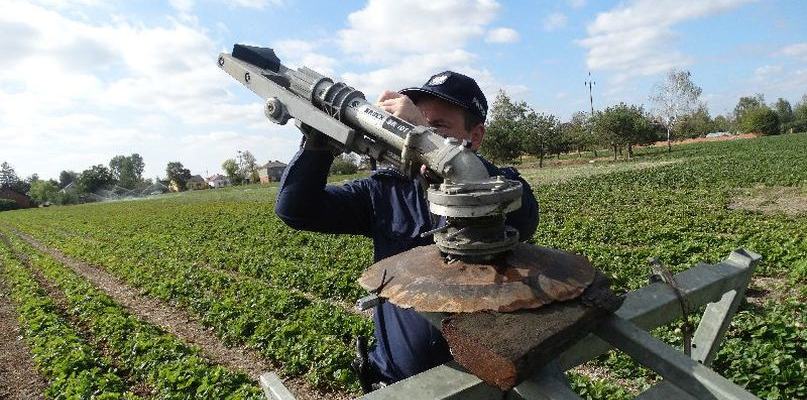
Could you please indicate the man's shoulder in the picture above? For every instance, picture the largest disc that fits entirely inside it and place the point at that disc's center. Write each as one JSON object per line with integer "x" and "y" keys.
{"x": 508, "y": 172}
{"x": 388, "y": 173}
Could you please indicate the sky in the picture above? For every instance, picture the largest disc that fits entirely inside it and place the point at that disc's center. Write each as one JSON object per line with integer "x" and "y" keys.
{"x": 85, "y": 80}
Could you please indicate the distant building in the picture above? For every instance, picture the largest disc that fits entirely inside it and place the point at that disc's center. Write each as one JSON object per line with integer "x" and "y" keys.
{"x": 21, "y": 199}
{"x": 196, "y": 182}
{"x": 218, "y": 181}
{"x": 271, "y": 171}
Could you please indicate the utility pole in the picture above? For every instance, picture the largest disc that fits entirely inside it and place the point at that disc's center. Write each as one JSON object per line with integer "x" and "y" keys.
{"x": 590, "y": 83}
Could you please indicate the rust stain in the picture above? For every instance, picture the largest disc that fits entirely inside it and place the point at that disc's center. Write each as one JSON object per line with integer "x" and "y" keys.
{"x": 528, "y": 277}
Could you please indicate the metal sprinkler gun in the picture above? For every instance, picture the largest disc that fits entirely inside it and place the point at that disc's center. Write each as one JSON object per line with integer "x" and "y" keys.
{"x": 473, "y": 203}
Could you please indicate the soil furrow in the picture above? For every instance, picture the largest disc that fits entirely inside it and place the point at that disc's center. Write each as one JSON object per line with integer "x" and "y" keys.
{"x": 59, "y": 299}
{"x": 178, "y": 322}
{"x": 19, "y": 378}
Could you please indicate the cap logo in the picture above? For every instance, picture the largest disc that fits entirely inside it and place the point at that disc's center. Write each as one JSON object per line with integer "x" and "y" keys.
{"x": 479, "y": 106}
{"x": 437, "y": 80}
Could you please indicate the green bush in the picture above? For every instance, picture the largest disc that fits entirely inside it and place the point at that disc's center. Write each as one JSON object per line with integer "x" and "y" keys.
{"x": 6, "y": 204}
{"x": 344, "y": 165}
{"x": 761, "y": 119}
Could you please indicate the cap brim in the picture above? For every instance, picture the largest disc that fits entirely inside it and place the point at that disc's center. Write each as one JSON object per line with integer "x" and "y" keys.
{"x": 416, "y": 93}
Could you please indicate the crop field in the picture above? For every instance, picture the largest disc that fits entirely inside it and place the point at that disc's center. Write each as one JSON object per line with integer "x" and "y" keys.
{"x": 191, "y": 295}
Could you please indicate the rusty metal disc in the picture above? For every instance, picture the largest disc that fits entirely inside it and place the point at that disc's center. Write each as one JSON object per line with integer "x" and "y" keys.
{"x": 527, "y": 277}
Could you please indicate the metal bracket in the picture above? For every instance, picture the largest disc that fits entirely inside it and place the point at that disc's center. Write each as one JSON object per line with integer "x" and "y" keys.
{"x": 721, "y": 286}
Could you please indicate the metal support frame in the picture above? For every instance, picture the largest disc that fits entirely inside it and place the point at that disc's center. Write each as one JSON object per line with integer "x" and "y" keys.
{"x": 719, "y": 287}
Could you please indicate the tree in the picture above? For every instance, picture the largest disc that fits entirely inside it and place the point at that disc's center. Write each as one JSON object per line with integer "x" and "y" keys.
{"x": 8, "y": 177}
{"x": 10, "y": 180}
{"x": 66, "y": 178}
{"x": 249, "y": 166}
{"x": 761, "y": 119}
{"x": 697, "y": 124}
{"x": 673, "y": 97}
{"x": 127, "y": 170}
{"x": 94, "y": 178}
{"x": 178, "y": 174}
{"x": 722, "y": 123}
{"x": 44, "y": 191}
{"x": 783, "y": 110}
{"x": 344, "y": 164}
{"x": 541, "y": 136}
{"x": 624, "y": 125}
{"x": 799, "y": 123}
{"x": 505, "y": 128}
{"x": 747, "y": 103}
{"x": 579, "y": 134}
{"x": 232, "y": 170}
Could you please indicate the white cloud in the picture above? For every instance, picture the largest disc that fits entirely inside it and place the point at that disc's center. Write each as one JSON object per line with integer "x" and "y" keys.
{"x": 502, "y": 35}
{"x": 554, "y": 21}
{"x": 637, "y": 38}
{"x": 81, "y": 92}
{"x": 298, "y": 53}
{"x": 185, "y": 6}
{"x": 412, "y": 70}
{"x": 767, "y": 71}
{"x": 66, "y": 4}
{"x": 181, "y": 5}
{"x": 384, "y": 30}
{"x": 576, "y": 3}
{"x": 797, "y": 51}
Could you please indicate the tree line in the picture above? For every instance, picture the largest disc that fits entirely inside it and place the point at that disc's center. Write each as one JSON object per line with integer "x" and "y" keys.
{"x": 123, "y": 174}
{"x": 515, "y": 129}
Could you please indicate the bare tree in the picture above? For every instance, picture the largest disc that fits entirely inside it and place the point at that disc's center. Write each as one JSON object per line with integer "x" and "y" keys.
{"x": 674, "y": 97}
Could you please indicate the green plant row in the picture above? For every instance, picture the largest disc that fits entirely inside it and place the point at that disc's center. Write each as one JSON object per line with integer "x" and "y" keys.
{"x": 171, "y": 368}
{"x": 682, "y": 214}
{"x": 239, "y": 236}
{"x": 227, "y": 258}
{"x": 74, "y": 369}
{"x": 307, "y": 338}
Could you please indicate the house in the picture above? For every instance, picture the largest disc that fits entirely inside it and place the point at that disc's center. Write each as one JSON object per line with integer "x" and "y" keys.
{"x": 218, "y": 181}
{"x": 271, "y": 171}
{"x": 196, "y": 182}
{"x": 21, "y": 199}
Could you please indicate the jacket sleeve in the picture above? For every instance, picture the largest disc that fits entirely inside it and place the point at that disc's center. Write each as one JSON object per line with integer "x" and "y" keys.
{"x": 525, "y": 219}
{"x": 306, "y": 202}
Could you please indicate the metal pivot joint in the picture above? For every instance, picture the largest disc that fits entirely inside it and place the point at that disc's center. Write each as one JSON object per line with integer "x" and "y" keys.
{"x": 476, "y": 216}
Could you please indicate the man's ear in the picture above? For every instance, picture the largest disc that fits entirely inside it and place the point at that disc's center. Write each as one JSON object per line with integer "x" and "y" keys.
{"x": 477, "y": 134}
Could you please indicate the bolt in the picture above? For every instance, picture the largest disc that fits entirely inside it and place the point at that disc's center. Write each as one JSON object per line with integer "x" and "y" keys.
{"x": 247, "y": 77}
{"x": 221, "y": 61}
{"x": 274, "y": 108}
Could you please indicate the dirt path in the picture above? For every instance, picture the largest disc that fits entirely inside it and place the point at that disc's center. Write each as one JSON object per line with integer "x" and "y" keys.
{"x": 19, "y": 378}
{"x": 179, "y": 323}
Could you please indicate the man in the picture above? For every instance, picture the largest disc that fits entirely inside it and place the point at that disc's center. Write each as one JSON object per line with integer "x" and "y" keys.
{"x": 392, "y": 209}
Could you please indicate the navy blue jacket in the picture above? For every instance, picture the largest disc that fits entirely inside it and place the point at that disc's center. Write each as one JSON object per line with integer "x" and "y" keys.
{"x": 393, "y": 211}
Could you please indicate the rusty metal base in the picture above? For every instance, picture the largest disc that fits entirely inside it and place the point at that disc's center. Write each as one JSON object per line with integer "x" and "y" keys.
{"x": 527, "y": 277}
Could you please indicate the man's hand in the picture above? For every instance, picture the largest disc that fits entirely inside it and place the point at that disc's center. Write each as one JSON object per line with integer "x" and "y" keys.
{"x": 402, "y": 107}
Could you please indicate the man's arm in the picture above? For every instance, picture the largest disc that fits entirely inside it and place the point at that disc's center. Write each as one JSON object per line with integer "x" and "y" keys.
{"x": 525, "y": 219}
{"x": 306, "y": 202}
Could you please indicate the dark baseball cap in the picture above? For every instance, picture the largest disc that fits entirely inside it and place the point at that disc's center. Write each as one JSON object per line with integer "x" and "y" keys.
{"x": 455, "y": 88}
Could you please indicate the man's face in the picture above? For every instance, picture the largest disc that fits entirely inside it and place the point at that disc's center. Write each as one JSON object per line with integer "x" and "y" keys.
{"x": 449, "y": 120}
